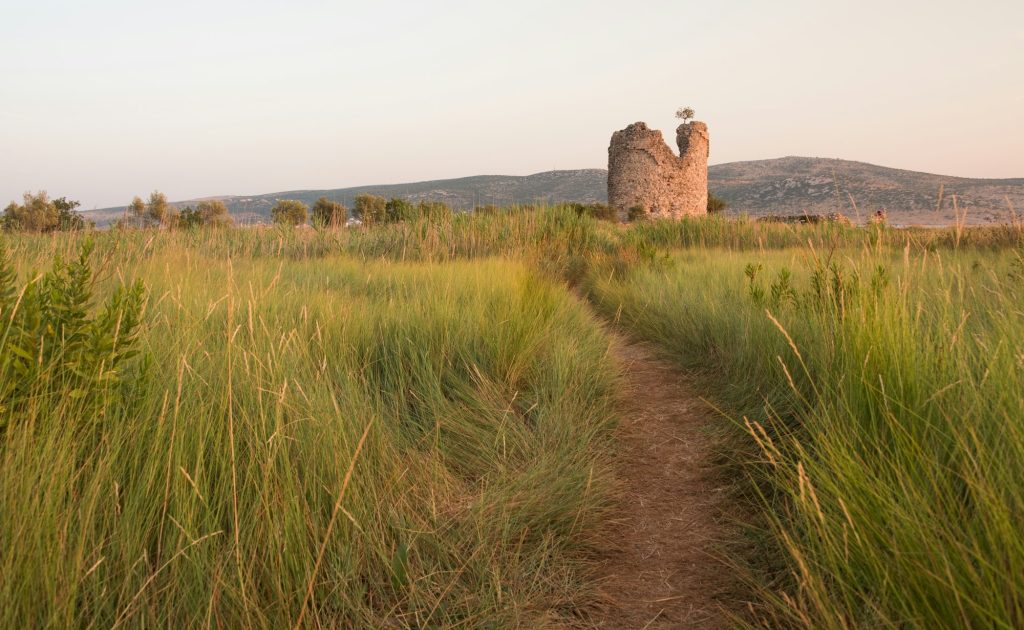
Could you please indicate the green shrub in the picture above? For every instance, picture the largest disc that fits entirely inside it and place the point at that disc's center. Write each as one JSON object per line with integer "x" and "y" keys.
{"x": 370, "y": 209}
{"x": 158, "y": 211}
{"x": 214, "y": 214}
{"x": 289, "y": 212}
{"x": 329, "y": 213}
{"x": 188, "y": 218}
{"x": 67, "y": 218}
{"x": 599, "y": 211}
{"x": 397, "y": 210}
{"x": 36, "y": 214}
{"x": 206, "y": 213}
{"x": 54, "y": 351}
{"x": 146, "y": 214}
{"x": 716, "y": 204}
{"x": 636, "y": 213}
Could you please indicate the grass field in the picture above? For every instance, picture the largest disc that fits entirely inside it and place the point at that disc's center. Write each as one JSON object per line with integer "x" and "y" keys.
{"x": 412, "y": 424}
{"x": 469, "y": 402}
{"x": 882, "y": 391}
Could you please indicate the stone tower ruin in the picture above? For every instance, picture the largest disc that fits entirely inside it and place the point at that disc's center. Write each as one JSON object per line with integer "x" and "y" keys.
{"x": 643, "y": 171}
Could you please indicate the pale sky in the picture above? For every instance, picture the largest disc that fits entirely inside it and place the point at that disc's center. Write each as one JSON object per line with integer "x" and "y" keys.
{"x": 107, "y": 99}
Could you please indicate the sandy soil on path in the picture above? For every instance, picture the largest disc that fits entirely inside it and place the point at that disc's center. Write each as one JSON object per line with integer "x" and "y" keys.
{"x": 664, "y": 571}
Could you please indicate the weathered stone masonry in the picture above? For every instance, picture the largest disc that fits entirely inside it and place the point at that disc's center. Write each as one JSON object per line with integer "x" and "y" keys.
{"x": 644, "y": 171}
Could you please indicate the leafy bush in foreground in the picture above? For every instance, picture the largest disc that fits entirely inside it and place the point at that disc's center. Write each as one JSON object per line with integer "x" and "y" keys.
{"x": 54, "y": 351}
{"x": 471, "y": 401}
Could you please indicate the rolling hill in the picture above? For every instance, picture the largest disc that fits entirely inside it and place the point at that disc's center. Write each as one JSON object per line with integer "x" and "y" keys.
{"x": 794, "y": 185}
{"x": 464, "y": 193}
{"x": 789, "y": 185}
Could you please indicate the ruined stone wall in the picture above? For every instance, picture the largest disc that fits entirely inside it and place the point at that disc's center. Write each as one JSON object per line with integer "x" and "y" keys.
{"x": 644, "y": 171}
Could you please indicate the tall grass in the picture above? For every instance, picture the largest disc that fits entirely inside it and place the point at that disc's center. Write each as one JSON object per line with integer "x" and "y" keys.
{"x": 883, "y": 391}
{"x": 557, "y": 239}
{"x": 342, "y": 442}
{"x": 410, "y": 424}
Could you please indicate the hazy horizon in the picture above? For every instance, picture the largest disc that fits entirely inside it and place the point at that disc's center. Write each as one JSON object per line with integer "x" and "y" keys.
{"x": 111, "y": 100}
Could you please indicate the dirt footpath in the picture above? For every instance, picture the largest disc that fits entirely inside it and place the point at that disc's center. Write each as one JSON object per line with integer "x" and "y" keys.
{"x": 665, "y": 571}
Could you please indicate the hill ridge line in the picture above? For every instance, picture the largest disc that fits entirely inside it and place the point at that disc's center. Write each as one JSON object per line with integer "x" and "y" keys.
{"x": 785, "y": 185}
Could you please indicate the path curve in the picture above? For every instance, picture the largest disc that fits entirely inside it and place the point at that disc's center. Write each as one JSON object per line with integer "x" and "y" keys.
{"x": 664, "y": 570}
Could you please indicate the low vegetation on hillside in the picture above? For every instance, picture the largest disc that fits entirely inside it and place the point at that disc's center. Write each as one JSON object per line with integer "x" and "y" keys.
{"x": 411, "y": 422}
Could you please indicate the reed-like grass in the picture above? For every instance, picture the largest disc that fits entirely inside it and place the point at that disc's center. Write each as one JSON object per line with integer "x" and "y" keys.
{"x": 883, "y": 391}
{"x": 352, "y": 444}
{"x": 409, "y": 424}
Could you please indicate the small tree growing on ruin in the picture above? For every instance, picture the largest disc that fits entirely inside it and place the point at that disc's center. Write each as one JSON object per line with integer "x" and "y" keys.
{"x": 685, "y": 114}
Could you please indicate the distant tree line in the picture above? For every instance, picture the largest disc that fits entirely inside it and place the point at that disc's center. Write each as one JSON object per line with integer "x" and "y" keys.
{"x": 366, "y": 209}
{"x": 157, "y": 213}
{"x": 39, "y": 213}
{"x": 371, "y": 209}
{"x": 374, "y": 210}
